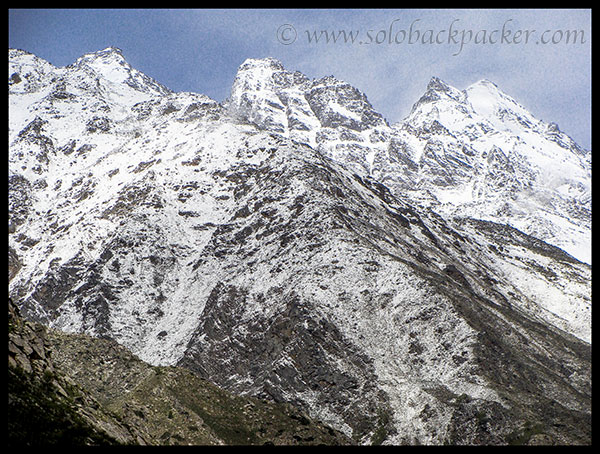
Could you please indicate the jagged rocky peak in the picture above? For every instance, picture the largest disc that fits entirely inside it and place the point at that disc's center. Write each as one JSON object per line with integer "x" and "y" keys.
{"x": 262, "y": 74}
{"x": 254, "y": 96}
{"x": 267, "y": 94}
{"x": 438, "y": 85}
{"x": 553, "y": 128}
{"x": 267, "y": 62}
{"x": 110, "y": 65}
{"x": 438, "y": 89}
{"x": 441, "y": 103}
{"x": 110, "y": 53}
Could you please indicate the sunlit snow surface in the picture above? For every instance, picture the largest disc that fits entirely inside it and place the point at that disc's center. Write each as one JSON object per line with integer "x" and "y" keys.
{"x": 154, "y": 197}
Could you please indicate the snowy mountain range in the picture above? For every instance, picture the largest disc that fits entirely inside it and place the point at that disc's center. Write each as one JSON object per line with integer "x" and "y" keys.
{"x": 475, "y": 153}
{"x": 422, "y": 282}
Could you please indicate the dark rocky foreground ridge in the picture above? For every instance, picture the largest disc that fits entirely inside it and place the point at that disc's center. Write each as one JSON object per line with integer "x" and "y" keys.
{"x": 76, "y": 390}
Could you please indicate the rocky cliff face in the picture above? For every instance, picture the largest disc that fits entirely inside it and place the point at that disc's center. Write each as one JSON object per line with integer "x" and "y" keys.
{"x": 283, "y": 245}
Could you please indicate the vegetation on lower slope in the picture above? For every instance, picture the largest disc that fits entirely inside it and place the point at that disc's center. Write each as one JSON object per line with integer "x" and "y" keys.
{"x": 44, "y": 405}
{"x": 75, "y": 390}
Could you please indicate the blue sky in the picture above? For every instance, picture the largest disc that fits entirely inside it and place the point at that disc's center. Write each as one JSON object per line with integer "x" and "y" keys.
{"x": 392, "y": 58}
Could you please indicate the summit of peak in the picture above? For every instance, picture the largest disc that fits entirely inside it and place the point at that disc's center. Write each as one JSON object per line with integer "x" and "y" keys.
{"x": 110, "y": 65}
{"x": 437, "y": 84}
{"x": 264, "y": 74}
{"x": 110, "y": 51}
{"x": 437, "y": 90}
{"x": 485, "y": 94}
{"x": 485, "y": 82}
{"x": 484, "y": 85}
{"x": 106, "y": 57}
{"x": 438, "y": 87}
{"x": 266, "y": 62}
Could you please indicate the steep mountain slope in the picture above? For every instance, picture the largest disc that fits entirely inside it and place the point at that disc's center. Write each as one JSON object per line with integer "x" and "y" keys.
{"x": 247, "y": 243}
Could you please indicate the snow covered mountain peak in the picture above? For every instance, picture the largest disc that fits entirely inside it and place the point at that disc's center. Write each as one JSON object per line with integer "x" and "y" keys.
{"x": 439, "y": 97}
{"x": 438, "y": 89}
{"x": 496, "y": 106}
{"x": 108, "y": 63}
{"x": 87, "y": 95}
{"x": 480, "y": 102}
{"x": 251, "y": 64}
{"x": 279, "y": 244}
{"x": 316, "y": 112}
{"x": 107, "y": 55}
{"x": 110, "y": 66}
{"x": 479, "y": 152}
{"x": 264, "y": 74}
{"x": 488, "y": 84}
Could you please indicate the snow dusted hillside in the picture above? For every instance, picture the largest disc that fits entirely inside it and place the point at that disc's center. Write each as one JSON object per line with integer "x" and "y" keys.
{"x": 282, "y": 244}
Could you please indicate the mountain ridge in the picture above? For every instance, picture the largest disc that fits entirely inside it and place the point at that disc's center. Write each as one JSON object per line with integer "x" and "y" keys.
{"x": 455, "y": 132}
{"x": 276, "y": 245}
